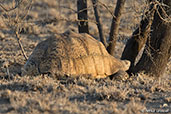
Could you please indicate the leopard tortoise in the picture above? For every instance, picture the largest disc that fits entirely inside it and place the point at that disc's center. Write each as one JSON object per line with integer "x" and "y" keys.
{"x": 73, "y": 54}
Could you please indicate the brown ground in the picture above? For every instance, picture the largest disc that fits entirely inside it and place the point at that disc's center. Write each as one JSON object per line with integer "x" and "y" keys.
{"x": 44, "y": 94}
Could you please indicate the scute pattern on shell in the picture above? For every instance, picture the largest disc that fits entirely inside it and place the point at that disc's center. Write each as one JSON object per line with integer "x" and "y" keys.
{"x": 72, "y": 54}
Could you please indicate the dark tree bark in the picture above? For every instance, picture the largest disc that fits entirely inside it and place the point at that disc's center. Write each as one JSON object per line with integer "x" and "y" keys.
{"x": 158, "y": 49}
{"x": 139, "y": 38}
{"x": 82, "y": 16}
{"x": 99, "y": 22}
{"x": 115, "y": 26}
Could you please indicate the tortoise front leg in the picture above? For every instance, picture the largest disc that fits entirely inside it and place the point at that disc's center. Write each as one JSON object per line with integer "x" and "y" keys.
{"x": 120, "y": 75}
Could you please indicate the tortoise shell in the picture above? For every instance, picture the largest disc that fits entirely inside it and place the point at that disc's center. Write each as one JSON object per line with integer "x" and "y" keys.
{"x": 73, "y": 54}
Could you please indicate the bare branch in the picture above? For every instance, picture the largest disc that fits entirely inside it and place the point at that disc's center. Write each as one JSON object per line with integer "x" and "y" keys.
{"x": 21, "y": 46}
{"x": 99, "y": 22}
{"x": 82, "y": 15}
{"x": 115, "y": 26}
{"x": 102, "y": 4}
{"x": 8, "y": 10}
{"x": 21, "y": 10}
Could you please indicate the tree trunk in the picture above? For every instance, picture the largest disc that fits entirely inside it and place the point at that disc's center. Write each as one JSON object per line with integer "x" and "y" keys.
{"x": 139, "y": 38}
{"x": 115, "y": 26}
{"x": 82, "y": 16}
{"x": 158, "y": 49}
{"x": 99, "y": 22}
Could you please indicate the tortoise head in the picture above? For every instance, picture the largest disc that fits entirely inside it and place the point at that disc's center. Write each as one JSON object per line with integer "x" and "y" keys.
{"x": 125, "y": 65}
{"x": 30, "y": 68}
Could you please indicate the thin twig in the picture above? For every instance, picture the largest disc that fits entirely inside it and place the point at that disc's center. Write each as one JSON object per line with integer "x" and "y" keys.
{"x": 167, "y": 19}
{"x": 104, "y": 5}
{"x": 8, "y": 10}
{"x": 21, "y": 46}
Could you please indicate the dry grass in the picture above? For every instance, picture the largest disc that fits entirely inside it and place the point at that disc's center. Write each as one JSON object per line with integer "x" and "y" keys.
{"x": 45, "y": 94}
{"x": 81, "y": 95}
